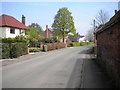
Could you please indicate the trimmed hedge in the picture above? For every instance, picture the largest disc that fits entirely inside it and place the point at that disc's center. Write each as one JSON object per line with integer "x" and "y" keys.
{"x": 5, "y": 50}
{"x": 18, "y": 49}
{"x": 13, "y": 50}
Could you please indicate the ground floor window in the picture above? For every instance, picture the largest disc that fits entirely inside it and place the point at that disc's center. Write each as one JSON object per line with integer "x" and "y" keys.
{"x": 12, "y": 30}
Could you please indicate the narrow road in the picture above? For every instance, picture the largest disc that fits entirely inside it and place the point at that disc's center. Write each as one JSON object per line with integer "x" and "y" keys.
{"x": 55, "y": 69}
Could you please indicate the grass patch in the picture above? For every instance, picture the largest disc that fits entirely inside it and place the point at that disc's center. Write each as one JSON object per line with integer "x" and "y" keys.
{"x": 76, "y": 44}
{"x": 35, "y": 49}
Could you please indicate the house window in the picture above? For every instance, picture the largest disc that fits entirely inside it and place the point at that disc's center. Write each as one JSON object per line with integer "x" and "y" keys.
{"x": 12, "y": 30}
{"x": 20, "y": 31}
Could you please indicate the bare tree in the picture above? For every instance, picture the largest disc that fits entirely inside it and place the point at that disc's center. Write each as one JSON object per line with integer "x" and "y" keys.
{"x": 101, "y": 18}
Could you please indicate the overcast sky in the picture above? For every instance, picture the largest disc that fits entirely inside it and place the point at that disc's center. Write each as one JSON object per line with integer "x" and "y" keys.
{"x": 43, "y": 12}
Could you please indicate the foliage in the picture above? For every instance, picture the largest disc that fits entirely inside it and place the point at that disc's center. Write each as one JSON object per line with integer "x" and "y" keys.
{"x": 35, "y": 31}
{"x": 5, "y": 50}
{"x": 16, "y": 39}
{"x": 13, "y": 50}
{"x": 8, "y": 40}
{"x": 21, "y": 39}
{"x": 34, "y": 43}
{"x": 63, "y": 23}
{"x": 49, "y": 40}
{"x": 34, "y": 49}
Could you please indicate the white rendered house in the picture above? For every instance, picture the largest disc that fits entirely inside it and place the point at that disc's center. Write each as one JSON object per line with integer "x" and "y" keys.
{"x": 11, "y": 27}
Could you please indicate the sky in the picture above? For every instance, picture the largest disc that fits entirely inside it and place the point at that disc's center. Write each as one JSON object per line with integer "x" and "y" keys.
{"x": 43, "y": 12}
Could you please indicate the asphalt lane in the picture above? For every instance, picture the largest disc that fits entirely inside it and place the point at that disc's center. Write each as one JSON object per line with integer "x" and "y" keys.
{"x": 55, "y": 69}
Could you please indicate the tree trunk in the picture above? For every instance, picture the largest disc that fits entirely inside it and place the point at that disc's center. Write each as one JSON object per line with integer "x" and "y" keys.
{"x": 63, "y": 38}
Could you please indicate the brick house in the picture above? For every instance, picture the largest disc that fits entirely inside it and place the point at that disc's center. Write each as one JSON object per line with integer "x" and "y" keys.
{"x": 108, "y": 46}
{"x": 48, "y": 33}
{"x": 11, "y": 27}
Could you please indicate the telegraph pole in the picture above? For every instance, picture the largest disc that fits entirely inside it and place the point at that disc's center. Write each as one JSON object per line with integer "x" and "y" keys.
{"x": 94, "y": 24}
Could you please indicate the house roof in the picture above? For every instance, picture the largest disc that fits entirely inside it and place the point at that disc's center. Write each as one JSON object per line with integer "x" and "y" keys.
{"x": 115, "y": 19}
{"x": 10, "y": 21}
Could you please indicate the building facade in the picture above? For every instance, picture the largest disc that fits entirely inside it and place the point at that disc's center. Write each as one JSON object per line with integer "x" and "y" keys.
{"x": 11, "y": 27}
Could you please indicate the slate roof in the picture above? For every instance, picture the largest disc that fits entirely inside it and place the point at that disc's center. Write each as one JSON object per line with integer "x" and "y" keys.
{"x": 10, "y": 21}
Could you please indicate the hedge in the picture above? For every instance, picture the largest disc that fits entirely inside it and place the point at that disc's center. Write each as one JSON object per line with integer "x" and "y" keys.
{"x": 5, "y": 50}
{"x": 13, "y": 50}
{"x": 18, "y": 49}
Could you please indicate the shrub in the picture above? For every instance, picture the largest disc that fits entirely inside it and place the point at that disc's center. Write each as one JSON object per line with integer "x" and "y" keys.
{"x": 49, "y": 40}
{"x": 18, "y": 49}
{"x": 21, "y": 39}
{"x": 5, "y": 50}
{"x": 34, "y": 49}
{"x": 16, "y": 39}
{"x": 13, "y": 50}
{"x": 8, "y": 40}
{"x": 34, "y": 44}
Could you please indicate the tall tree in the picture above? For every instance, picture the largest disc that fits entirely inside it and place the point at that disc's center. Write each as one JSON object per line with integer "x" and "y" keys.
{"x": 63, "y": 23}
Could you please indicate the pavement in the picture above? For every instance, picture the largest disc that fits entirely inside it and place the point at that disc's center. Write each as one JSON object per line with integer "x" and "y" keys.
{"x": 65, "y": 68}
{"x": 93, "y": 76}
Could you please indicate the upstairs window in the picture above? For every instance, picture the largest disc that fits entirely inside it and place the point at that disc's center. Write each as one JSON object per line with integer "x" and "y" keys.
{"x": 12, "y": 30}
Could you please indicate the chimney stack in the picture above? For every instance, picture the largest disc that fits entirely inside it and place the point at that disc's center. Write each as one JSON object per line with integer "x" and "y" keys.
{"x": 46, "y": 27}
{"x": 46, "y": 31}
{"x": 23, "y": 19}
{"x": 116, "y": 11}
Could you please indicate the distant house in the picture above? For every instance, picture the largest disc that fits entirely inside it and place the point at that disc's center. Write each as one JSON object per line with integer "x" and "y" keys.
{"x": 11, "y": 27}
{"x": 48, "y": 33}
{"x": 82, "y": 38}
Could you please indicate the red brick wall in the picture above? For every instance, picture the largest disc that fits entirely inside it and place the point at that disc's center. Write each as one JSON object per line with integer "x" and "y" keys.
{"x": 108, "y": 50}
{"x": 53, "y": 46}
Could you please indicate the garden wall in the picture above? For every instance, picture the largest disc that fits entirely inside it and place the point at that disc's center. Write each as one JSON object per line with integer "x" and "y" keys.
{"x": 53, "y": 46}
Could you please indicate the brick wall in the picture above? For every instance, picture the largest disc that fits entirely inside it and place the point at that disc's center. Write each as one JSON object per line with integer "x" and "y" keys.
{"x": 53, "y": 46}
{"x": 108, "y": 50}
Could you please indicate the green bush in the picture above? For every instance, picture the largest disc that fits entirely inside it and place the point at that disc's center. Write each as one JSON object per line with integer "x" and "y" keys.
{"x": 5, "y": 50}
{"x": 21, "y": 39}
{"x": 13, "y": 50}
{"x": 34, "y": 49}
{"x": 18, "y": 49}
{"x": 8, "y": 40}
{"x": 49, "y": 40}
{"x": 16, "y": 39}
{"x": 34, "y": 43}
